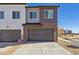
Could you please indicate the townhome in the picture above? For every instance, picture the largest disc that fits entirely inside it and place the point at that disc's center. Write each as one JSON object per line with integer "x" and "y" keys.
{"x": 31, "y": 23}
{"x": 12, "y": 16}
{"x": 41, "y": 23}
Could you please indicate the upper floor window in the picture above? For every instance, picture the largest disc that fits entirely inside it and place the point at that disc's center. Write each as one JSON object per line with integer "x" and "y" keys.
{"x": 1, "y": 14}
{"x": 33, "y": 15}
{"x": 48, "y": 14}
{"x": 16, "y": 15}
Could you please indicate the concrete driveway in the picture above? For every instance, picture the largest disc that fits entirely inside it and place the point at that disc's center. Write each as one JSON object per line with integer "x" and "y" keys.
{"x": 41, "y": 48}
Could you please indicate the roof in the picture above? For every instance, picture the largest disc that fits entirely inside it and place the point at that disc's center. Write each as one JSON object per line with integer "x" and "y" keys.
{"x": 40, "y": 6}
{"x": 12, "y": 3}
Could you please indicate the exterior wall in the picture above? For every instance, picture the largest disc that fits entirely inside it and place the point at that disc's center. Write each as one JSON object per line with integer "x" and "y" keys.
{"x": 43, "y": 20}
{"x": 13, "y": 24}
{"x": 25, "y": 32}
{"x": 50, "y": 21}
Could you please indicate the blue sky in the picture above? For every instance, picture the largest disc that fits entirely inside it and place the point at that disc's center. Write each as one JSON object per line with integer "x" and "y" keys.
{"x": 68, "y": 15}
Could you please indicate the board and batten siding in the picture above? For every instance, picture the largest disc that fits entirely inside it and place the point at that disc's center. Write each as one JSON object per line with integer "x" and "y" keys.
{"x": 13, "y": 24}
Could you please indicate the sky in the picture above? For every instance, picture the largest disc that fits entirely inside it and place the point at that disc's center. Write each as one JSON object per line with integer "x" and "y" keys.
{"x": 68, "y": 15}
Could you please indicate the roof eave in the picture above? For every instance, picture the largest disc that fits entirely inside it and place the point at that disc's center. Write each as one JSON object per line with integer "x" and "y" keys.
{"x": 39, "y": 6}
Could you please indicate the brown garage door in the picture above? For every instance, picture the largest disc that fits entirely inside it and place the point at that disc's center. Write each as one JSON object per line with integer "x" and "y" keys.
{"x": 40, "y": 35}
{"x": 9, "y": 35}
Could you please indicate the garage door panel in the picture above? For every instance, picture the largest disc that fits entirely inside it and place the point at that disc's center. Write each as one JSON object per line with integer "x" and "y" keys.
{"x": 9, "y": 35}
{"x": 41, "y": 34}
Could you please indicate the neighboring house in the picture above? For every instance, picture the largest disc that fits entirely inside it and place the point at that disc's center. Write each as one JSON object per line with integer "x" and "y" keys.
{"x": 12, "y": 16}
{"x": 41, "y": 23}
{"x": 62, "y": 32}
{"x": 67, "y": 32}
{"x": 34, "y": 23}
{"x": 75, "y": 33}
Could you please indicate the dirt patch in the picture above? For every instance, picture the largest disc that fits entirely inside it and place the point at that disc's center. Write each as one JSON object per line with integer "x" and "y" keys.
{"x": 9, "y": 51}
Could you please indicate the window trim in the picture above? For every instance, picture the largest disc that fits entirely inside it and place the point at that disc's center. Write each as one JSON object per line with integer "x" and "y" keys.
{"x": 46, "y": 17}
{"x": 34, "y": 16}
{"x": 16, "y": 14}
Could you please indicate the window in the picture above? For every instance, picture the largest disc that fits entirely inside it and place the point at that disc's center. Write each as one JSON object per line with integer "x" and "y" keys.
{"x": 33, "y": 15}
{"x": 1, "y": 14}
{"x": 48, "y": 14}
{"x": 15, "y": 15}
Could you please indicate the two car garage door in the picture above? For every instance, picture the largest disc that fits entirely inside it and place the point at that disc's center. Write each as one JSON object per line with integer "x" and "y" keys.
{"x": 41, "y": 35}
{"x": 9, "y": 35}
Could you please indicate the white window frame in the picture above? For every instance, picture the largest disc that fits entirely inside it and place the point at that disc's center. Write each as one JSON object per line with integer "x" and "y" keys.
{"x": 48, "y": 16}
{"x": 34, "y": 16}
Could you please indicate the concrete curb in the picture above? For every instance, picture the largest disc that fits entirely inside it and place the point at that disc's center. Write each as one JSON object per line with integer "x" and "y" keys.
{"x": 64, "y": 40}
